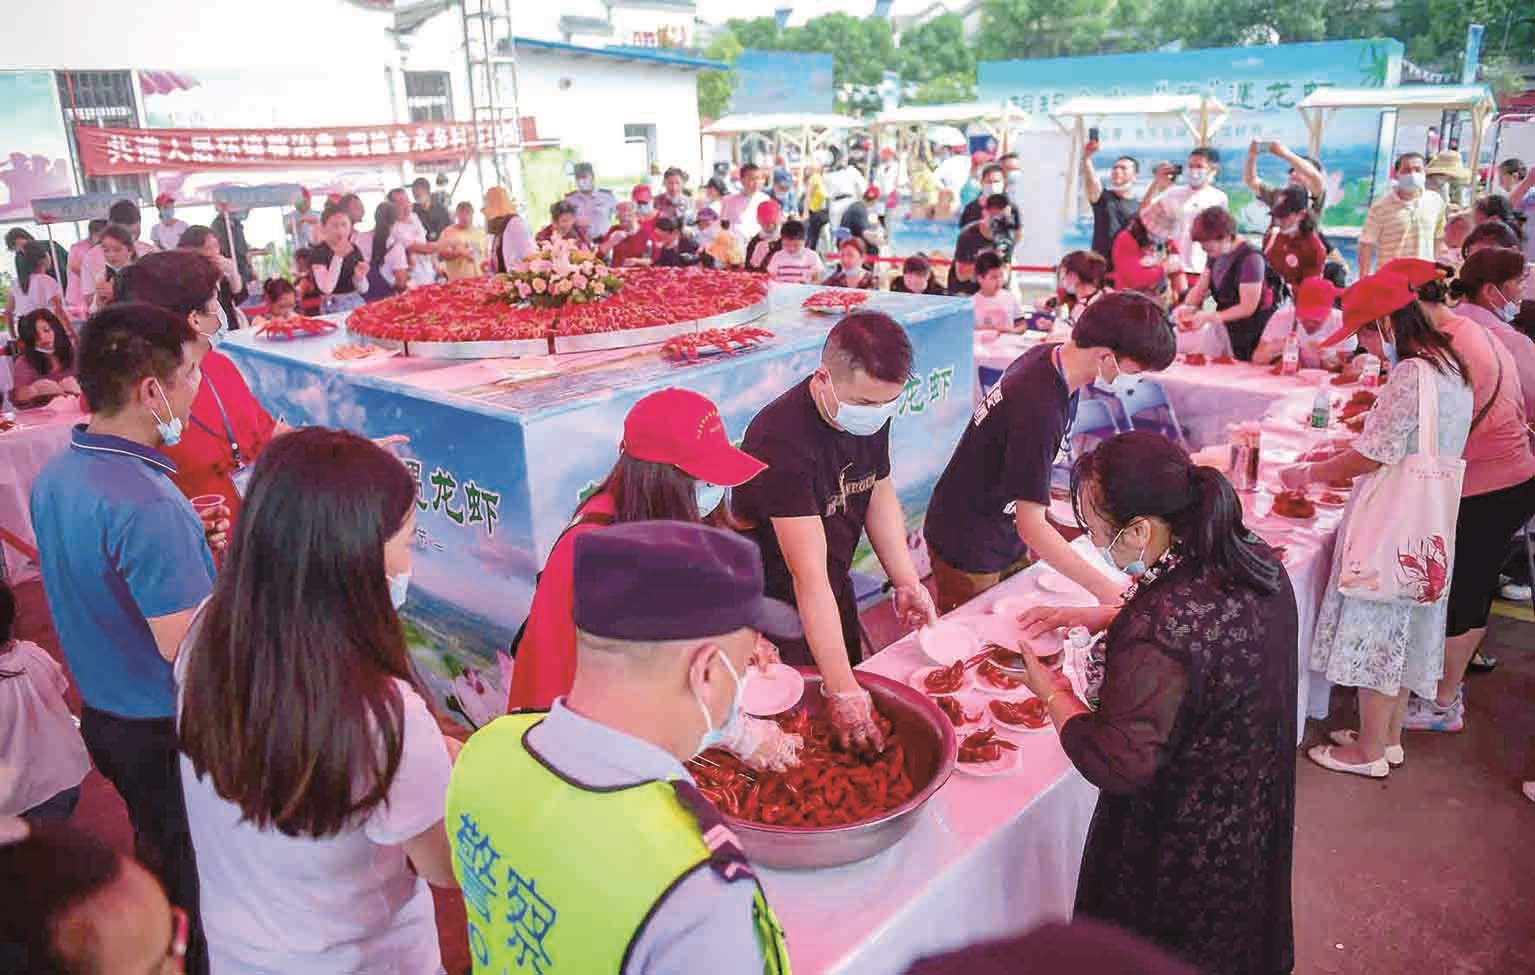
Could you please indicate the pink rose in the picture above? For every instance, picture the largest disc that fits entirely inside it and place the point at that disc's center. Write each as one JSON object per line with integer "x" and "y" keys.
{"x": 540, "y": 285}
{"x": 598, "y": 287}
{"x": 579, "y": 281}
{"x": 540, "y": 266}
{"x": 562, "y": 287}
{"x": 523, "y": 290}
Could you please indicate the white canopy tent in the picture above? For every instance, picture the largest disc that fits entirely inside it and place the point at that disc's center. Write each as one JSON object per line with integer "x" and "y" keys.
{"x": 1318, "y": 108}
{"x": 910, "y": 123}
{"x": 1202, "y": 115}
{"x": 805, "y": 132}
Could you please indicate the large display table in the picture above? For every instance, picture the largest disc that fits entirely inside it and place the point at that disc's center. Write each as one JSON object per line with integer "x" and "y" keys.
{"x": 504, "y": 449}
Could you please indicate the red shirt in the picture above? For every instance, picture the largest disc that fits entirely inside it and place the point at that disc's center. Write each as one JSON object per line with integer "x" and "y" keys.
{"x": 633, "y": 246}
{"x": 1296, "y": 256}
{"x": 546, "y": 659}
{"x": 204, "y": 460}
{"x": 1129, "y": 273}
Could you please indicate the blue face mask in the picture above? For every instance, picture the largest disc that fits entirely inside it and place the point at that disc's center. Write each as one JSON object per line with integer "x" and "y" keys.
{"x": 1121, "y": 384}
{"x": 1135, "y": 569}
{"x": 709, "y": 496}
{"x": 223, "y": 329}
{"x": 713, "y": 736}
{"x": 399, "y": 586}
{"x": 862, "y": 420}
{"x": 1388, "y": 346}
{"x": 169, "y": 430}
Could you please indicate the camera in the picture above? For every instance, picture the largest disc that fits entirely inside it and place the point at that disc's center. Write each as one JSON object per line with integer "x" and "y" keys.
{"x": 1002, "y": 228}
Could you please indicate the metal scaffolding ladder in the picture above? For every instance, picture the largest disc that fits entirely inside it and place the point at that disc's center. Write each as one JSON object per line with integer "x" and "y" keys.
{"x": 490, "y": 53}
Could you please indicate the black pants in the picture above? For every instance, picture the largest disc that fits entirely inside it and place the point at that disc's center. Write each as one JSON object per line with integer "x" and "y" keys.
{"x": 1482, "y": 530}
{"x": 139, "y": 757}
{"x": 818, "y": 222}
{"x": 797, "y": 652}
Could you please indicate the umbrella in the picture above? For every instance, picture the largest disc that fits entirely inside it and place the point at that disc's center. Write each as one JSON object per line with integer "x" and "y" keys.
{"x": 946, "y": 135}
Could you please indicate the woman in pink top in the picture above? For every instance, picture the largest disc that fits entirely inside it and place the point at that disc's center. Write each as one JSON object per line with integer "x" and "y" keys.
{"x": 1489, "y": 285}
{"x": 1498, "y": 496}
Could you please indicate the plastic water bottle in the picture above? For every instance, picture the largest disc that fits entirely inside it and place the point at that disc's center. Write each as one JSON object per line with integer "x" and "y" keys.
{"x": 1321, "y": 407}
{"x": 1290, "y": 364}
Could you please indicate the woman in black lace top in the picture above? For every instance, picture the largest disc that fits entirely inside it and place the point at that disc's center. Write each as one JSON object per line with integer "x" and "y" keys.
{"x": 1193, "y": 741}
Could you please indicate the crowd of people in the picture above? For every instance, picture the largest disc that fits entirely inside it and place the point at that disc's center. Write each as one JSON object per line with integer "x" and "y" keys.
{"x": 292, "y": 790}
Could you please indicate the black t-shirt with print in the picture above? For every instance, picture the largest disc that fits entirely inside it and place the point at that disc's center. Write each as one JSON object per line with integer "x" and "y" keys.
{"x": 813, "y": 469}
{"x": 1005, "y": 455}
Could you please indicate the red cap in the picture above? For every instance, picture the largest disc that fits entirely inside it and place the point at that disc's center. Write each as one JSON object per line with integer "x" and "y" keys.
{"x": 641, "y": 193}
{"x": 768, "y": 211}
{"x": 684, "y": 429}
{"x": 1371, "y": 299}
{"x": 1314, "y": 297}
{"x": 1417, "y": 271}
{"x": 887, "y": 152}
{"x": 980, "y": 157}
{"x": 303, "y": 191}
{"x": 871, "y": 193}
{"x": 164, "y": 200}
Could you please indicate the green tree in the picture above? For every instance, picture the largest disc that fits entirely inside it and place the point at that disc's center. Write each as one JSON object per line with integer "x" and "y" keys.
{"x": 716, "y": 87}
{"x": 936, "y": 49}
{"x": 861, "y": 49}
{"x": 758, "y": 33}
{"x": 959, "y": 87}
{"x": 1043, "y": 28}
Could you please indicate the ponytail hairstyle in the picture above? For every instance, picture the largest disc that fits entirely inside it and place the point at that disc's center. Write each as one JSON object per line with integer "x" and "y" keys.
{"x": 1417, "y": 338}
{"x": 1145, "y": 475}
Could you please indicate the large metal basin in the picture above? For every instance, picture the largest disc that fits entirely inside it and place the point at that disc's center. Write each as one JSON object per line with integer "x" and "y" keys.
{"x": 930, "y": 749}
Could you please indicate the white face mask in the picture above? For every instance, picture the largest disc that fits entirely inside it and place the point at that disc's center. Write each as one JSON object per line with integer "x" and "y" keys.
{"x": 169, "y": 430}
{"x": 862, "y": 420}
{"x": 709, "y": 497}
{"x": 399, "y": 586}
{"x": 1411, "y": 182}
{"x": 1510, "y": 309}
{"x": 584, "y": 184}
{"x": 1120, "y": 384}
{"x": 219, "y": 334}
{"x": 713, "y": 736}
{"x": 1198, "y": 177}
{"x": 1137, "y": 566}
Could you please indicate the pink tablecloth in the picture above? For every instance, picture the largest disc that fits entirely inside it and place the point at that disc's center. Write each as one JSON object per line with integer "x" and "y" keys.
{"x": 23, "y": 452}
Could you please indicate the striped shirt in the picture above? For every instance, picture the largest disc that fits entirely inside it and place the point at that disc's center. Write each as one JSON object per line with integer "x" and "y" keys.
{"x": 1404, "y": 228}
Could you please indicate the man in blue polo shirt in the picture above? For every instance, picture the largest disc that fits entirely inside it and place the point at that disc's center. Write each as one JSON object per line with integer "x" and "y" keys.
{"x": 125, "y": 564}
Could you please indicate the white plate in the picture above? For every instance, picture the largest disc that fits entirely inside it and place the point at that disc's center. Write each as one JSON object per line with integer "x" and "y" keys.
{"x": 946, "y": 641}
{"x": 915, "y": 681}
{"x": 1057, "y": 583}
{"x": 773, "y": 691}
{"x": 1009, "y": 729}
{"x": 986, "y": 687}
{"x": 1009, "y": 608}
{"x": 1010, "y": 762}
{"x": 972, "y": 705}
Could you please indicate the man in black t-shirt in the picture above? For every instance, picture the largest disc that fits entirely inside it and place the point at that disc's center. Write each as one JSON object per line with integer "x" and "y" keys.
{"x": 988, "y": 508}
{"x": 993, "y": 232}
{"x": 1113, "y": 205}
{"x": 827, "y": 446}
{"x": 993, "y": 180}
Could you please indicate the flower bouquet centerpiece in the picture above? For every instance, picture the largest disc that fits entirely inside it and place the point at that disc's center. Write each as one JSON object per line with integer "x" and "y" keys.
{"x": 559, "y": 273}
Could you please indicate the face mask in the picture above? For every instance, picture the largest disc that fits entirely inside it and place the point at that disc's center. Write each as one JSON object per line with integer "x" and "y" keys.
{"x": 169, "y": 430}
{"x": 1290, "y": 231}
{"x": 168, "y": 214}
{"x": 709, "y": 496}
{"x": 1411, "y": 182}
{"x": 713, "y": 736}
{"x": 861, "y": 420}
{"x": 223, "y": 329}
{"x": 1135, "y": 569}
{"x": 584, "y": 185}
{"x": 1198, "y": 177}
{"x": 398, "y": 586}
{"x": 1510, "y": 309}
{"x": 1121, "y": 383}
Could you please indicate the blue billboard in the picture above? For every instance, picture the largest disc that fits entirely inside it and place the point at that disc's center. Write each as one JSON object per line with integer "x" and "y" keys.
{"x": 782, "y": 81}
{"x": 1261, "y": 86}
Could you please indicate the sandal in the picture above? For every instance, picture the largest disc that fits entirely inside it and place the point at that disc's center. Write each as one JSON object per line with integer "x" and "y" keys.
{"x": 1482, "y": 663}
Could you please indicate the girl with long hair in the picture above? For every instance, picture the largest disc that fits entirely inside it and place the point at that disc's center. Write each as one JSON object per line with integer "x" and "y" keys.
{"x": 1386, "y": 650}
{"x": 1192, "y": 743}
{"x": 45, "y": 360}
{"x": 674, "y": 465}
{"x": 1292, "y": 246}
{"x": 315, "y": 775}
{"x": 40, "y": 288}
{"x": 388, "y": 265}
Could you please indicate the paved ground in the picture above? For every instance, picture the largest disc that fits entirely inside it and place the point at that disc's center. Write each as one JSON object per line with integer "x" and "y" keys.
{"x": 1430, "y": 872}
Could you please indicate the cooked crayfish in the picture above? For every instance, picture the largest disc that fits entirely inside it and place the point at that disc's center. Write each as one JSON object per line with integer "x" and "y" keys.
{"x": 984, "y": 746}
{"x": 294, "y": 326}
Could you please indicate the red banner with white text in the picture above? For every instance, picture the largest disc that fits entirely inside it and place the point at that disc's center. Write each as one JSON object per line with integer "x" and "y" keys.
{"x": 117, "y": 151}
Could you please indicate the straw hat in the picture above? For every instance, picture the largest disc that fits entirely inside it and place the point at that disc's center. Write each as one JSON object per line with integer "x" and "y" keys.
{"x": 498, "y": 203}
{"x": 1447, "y": 162}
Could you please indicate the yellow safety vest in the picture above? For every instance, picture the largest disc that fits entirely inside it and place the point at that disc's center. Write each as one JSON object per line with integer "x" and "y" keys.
{"x": 560, "y": 878}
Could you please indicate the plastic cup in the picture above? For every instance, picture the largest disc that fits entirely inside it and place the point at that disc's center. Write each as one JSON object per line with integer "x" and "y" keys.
{"x": 205, "y": 503}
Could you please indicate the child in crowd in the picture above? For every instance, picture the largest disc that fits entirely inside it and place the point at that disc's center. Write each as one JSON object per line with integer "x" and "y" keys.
{"x": 308, "y": 291}
{"x": 281, "y": 301}
{"x": 996, "y": 307}
{"x": 850, "y": 272}
{"x": 39, "y": 742}
{"x": 762, "y": 247}
{"x": 724, "y": 251}
{"x": 794, "y": 263}
{"x": 917, "y": 278}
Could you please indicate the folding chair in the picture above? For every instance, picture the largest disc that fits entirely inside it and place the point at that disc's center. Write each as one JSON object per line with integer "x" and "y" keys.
{"x": 1147, "y": 397}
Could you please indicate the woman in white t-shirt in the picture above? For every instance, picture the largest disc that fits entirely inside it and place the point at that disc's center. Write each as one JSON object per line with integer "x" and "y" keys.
{"x": 40, "y": 290}
{"x": 315, "y": 776}
{"x": 39, "y": 742}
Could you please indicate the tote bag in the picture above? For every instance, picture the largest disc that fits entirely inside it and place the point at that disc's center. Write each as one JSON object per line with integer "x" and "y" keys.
{"x": 1400, "y": 539}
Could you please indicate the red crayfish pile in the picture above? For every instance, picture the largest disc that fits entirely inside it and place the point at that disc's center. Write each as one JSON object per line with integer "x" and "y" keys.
{"x": 685, "y": 348}
{"x": 294, "y": 326}
{"x": 834, "y": 300}
{"x": 830, "y": 787}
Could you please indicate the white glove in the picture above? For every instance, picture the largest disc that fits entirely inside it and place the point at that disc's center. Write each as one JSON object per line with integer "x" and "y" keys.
{"x": 852, "y": 714}
{"x": 762, "y": 744}
{"x": 914, "y": 605}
